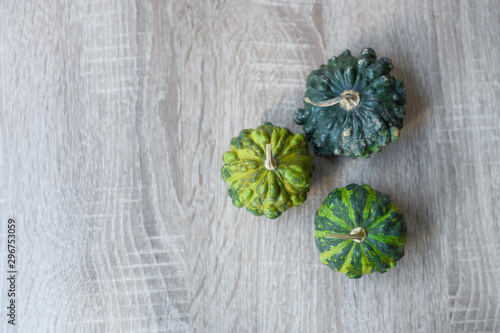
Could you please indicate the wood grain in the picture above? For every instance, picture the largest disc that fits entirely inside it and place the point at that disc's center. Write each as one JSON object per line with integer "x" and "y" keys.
{"x": 114, "y": 117}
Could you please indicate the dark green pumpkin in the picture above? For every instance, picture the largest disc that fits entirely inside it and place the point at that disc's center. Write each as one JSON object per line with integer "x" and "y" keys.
{"x": 253, "y": 185}
{"x": 359, "y": 230}
{"x": 367, "y": 116}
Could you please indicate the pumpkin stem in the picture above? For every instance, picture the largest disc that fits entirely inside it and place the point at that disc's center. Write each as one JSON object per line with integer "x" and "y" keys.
{"x": 270, "y": 162}
{"x": 357, "y": 234}
{"x": 348, "y": 100}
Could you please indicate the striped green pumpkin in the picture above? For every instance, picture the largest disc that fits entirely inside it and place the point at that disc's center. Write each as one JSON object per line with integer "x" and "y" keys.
{"x": 359, "y": 230}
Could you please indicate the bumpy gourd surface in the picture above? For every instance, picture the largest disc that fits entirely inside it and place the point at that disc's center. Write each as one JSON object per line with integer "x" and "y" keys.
{"x": 360, "y": 206}
{"x": 365, "y": 129}
{"x": 263, "y": 191}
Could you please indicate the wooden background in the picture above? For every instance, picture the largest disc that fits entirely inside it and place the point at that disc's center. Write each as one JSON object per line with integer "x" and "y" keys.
{"x": 113, "y": 120}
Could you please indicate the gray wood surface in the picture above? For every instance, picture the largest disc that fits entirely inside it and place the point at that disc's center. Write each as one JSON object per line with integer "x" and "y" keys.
{"x": 114, "y": 116}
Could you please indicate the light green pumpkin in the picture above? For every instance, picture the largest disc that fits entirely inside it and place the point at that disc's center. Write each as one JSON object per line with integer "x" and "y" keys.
{"x": 268, "y": 169}
{"x": 359, "y": 231}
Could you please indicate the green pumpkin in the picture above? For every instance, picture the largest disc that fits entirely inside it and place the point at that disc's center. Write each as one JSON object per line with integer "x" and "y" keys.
{"x": 268, "y": 169}
{"x": 352, "y": 106}
{"x": 359, "y": 230}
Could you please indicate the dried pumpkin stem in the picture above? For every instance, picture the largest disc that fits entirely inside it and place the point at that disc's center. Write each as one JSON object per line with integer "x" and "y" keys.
{"x": 270, "y": 162}
{"x": 349, "y": 99}
{"x": 357, "y": 234}
{"x": 329, "y": 102}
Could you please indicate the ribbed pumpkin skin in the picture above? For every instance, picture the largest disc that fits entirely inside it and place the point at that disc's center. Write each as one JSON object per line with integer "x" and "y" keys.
{"x": 360, "y": 206}
{"x": 373, "y": 124}
{"x": 263, "y": 191}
